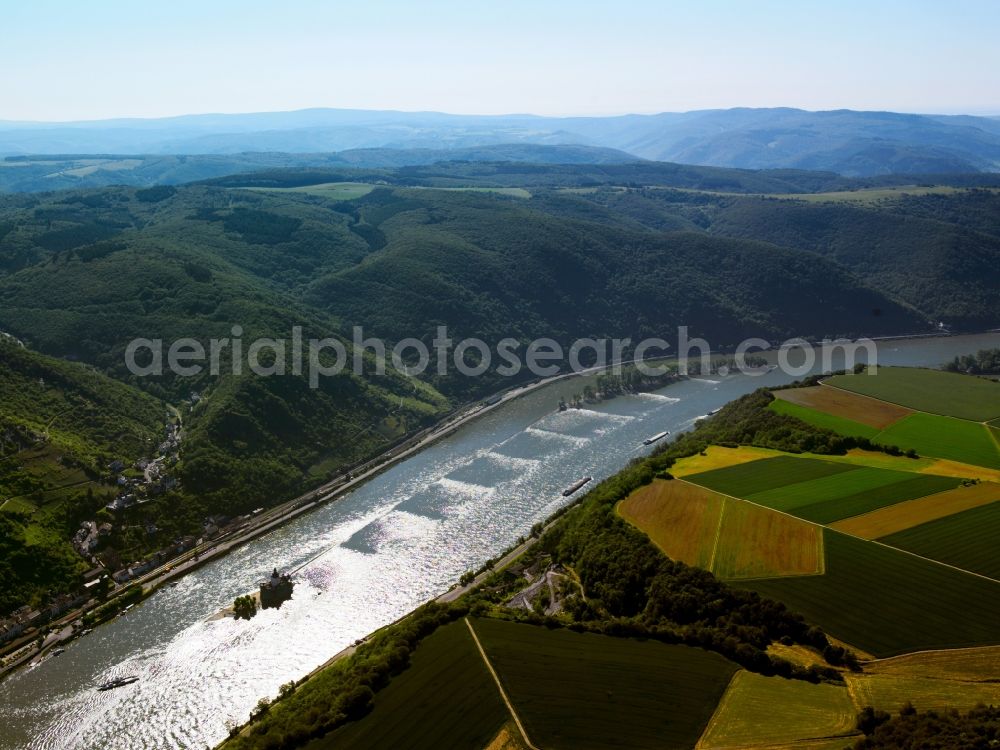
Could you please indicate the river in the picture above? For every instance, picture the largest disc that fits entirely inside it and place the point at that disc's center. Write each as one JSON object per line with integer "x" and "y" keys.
{"x": 369, "y": 557}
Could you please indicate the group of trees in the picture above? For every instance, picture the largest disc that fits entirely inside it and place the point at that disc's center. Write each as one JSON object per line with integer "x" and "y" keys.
{"x": 244, "y": 607}
{"x": 929, "y": 730}
{"x": 629, "y": 380}
{"x": 983, "y": 362}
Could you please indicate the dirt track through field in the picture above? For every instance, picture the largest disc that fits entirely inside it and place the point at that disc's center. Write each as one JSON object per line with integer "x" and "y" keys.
{"x": 503, "y": 693}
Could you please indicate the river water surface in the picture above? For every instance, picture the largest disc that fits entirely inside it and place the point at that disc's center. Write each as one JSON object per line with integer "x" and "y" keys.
{"x": 369, "y": 557}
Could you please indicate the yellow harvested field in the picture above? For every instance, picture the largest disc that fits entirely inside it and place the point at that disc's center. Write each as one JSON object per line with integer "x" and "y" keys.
{"x": 508, "y": 738}
{"x": 796, "y": 654}
{"x": 944, "y": 467}
{"x": 837, "y": 743}
{"x": 853, "y": 406}
{"x": 844, "y": 742}
{"x": 963, "y": 664}
{"x": 939, "y": 466}
{"x": 680, "y": 518}
{"x": 732, "y": 538}
{"x": 717, "y": 457}
{"x": 932, "y": 680}
{"x": 880, "y": 460}
{"x": 892, "y": 692}
{"x": 912, "y": 513}
{"x": 756, "y": 542}
{"x": 759, "y": 712}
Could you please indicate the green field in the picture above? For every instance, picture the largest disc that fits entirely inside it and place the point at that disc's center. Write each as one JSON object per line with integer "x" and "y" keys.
{"x": 839, "y": 425}
{"x": 514, "y": 192}
{"x": 338, "y": 191}
{"x": 934, "y": 391}
{"x": 747, "y": 715}
{"x": 445, "y": 699}
{"x": 848, "y": 494}
{"x": 576, "y": 691}
{"x": 944, "y": 437}
{"x": 967, "y": 540}
{"x": 765, "y": 474}
{"x": 887, "y": 602}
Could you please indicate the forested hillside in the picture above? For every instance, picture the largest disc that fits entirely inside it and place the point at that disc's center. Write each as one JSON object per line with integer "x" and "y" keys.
{"x": 61, "y": 425}
{"x": 82, "y": 273}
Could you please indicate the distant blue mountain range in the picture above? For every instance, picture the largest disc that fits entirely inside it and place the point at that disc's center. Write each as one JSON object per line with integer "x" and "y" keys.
{"x": 848, "y": 142}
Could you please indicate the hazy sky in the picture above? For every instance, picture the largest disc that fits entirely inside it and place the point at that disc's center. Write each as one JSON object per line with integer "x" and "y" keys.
{"x": 62, "y": 59}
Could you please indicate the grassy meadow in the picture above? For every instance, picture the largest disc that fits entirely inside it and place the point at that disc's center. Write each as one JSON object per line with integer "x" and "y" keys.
{"x": 892, "y": 692}
{"x": 870, "y": 196}
{"x": 944, "y": 437}
{"x": 759, "y": 710}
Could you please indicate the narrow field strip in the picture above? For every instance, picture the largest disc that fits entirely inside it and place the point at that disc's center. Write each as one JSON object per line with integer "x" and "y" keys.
{"x": 765, "y": 474}
{"x": 976, "y": 664}
{"x": 892, "y": 692}
{"x": 718, "y": 457}
{"x": 844, "y": 495}
{"x": 906, "y": 515}
{"x": 879, "y": 497}
{"x": 718, "y": 536}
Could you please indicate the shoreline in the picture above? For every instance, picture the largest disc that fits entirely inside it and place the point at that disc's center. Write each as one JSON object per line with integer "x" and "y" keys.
{"x": 289, "y": 510}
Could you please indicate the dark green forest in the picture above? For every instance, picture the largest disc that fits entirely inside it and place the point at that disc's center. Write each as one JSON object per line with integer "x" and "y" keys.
{"x": 930, "y": 730}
